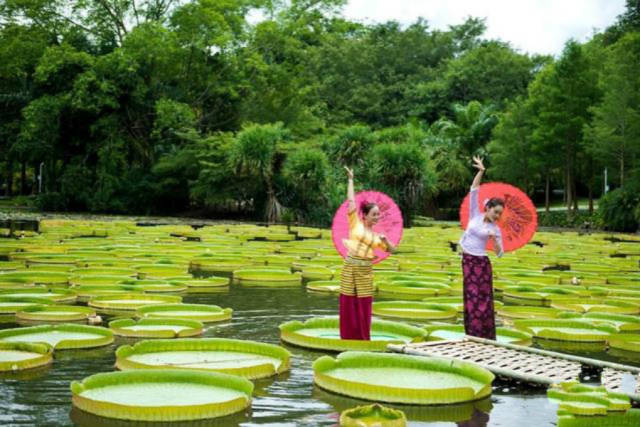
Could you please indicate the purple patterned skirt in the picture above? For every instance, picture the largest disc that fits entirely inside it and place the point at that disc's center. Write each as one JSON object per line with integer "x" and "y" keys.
{"x": 479, "y": 318}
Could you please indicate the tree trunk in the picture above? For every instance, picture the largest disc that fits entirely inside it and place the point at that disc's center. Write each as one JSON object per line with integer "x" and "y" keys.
{"x": 591, "y": 196}
{"x": 567, "y": 189}
{"x": 9, "y": 189}
{"x": 546, "y": 193}
{"x": 274, "y": 208}
{"x": 622, "y": 171}
{"x": 23, "y": 179}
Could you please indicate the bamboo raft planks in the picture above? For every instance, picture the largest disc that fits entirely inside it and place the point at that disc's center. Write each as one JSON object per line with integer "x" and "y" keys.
{"x": 530, "y": 365}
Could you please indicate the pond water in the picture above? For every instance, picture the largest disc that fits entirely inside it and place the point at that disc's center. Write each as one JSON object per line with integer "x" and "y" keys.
{"x": 43, "y": 398}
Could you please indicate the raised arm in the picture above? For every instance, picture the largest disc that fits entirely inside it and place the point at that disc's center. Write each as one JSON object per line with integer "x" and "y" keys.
{"x": 477, "y": 163}
{"x": 474, "y": 210}
{"x": 350, "y": 192}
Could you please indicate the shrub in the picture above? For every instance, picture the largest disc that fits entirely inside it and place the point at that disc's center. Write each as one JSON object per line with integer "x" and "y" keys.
{"x": 618, "y": 208}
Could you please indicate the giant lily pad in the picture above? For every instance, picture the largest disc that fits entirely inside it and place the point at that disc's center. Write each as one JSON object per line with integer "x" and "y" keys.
{"x": 402, "y": 379}
{"x": 525, "y": 312}
{"x": 130, "y": 301}
{"x": 324, "y": 333}
{"x": 35, "y": 277}
{"x": 57, "y": 295}
{"x": 266, "y": 277}
{"x": 159, "y": 271}
{"x": 248, "y": 359}
{"x": 55, "y": 313}
{"x": 628, "y": 342}
{"x": 317, "y": 273}
{"x": 85, "y": 293}
{"x": 96, "y": 280}
{"x": 454, "y": 302}
{"x": 413, "y": 289}
{"x": 537, "y": 296}
{"x": 200, "y": 312}
{"x": 455, "y": 332}
{"x": 104, "y": 270}
{"x": 64, "y": 336}
{"x": 414, "y": 310}
{"x": 156, "y": 328}
{"x": 16, "y": 356}
{"x": 372, "y": 416}
{"x": 195, "y": 285}
{"x": 168, "y": 395}
{"x": 10, "y": 305}
{"x": 623, "y": 323}
{"x": 329, "y": 286}
{"x": 599, "y": 305}
{"x": 566, "y": 330}
{"x": 153, "y": 286}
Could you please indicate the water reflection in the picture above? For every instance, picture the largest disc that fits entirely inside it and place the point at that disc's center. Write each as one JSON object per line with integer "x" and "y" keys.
{"x": 84, "y": 419}
{"x": 458, "y": 413}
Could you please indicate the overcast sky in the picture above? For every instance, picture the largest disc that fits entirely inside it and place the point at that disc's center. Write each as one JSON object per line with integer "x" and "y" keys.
{"x": 534, "y": 26}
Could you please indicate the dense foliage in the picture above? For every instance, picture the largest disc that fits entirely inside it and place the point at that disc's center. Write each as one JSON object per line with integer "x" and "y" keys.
{"x": 174, "y": 106}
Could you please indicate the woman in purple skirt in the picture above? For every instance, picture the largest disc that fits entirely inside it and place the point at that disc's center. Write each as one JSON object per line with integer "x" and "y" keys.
{"x": 479, "y": 318}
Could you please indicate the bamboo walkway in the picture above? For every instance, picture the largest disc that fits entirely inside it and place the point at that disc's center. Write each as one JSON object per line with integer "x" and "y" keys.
{"x": 530, "y": 365}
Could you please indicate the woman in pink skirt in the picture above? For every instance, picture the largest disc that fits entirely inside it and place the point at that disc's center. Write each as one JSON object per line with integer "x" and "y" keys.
{"x": 479, "y": 317}
{"x": 356, "y": 281}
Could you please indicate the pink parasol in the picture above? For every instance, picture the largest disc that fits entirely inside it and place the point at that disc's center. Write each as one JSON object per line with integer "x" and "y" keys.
{"x": 390, "y": 223}
{"x": 519, "y": 219}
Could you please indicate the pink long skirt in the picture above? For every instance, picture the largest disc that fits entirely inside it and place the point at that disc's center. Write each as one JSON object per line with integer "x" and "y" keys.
{"x": 355, "y": 317}
{"x": 479, "y": 317}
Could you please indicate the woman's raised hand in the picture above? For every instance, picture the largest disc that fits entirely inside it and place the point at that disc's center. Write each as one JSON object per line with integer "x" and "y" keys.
{"x": 477, "y": 163}
{"x": 349, "y": 172}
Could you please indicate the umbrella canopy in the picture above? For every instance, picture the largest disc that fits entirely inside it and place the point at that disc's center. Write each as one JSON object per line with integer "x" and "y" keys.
{"x": 390, "y": 223}
{"x": 519, "y": 219}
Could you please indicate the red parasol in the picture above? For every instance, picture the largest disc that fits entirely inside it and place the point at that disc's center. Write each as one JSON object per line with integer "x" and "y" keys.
{"x": 390, "y": 223}
{"x": 519, "y": 219}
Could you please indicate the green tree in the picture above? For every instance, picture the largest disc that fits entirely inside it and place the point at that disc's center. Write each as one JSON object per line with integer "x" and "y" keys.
{"x": 254, "y": 154}
{"x": 404, "y": 172}
{"x": 511, "y": 149}
{"x": 306, "y": 174}
{"x": 561, "y": 99}
{"x": 349, "y": 145}
{"x": 614, "y": 133}
{"x": 490, "y": 73}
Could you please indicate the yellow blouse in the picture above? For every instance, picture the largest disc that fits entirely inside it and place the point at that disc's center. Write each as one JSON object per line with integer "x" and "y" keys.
{"x": 361, "y": 241}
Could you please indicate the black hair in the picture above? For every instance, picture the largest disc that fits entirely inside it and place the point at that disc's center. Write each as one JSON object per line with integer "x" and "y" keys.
{"x": 365, "y": 207}
{"x": 493, "y": 202}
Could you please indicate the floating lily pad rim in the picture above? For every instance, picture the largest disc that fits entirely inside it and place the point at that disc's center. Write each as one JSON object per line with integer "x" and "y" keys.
{"x": 288, "y": 334}
{"x": 209, "y": 344}
{"x": 522, "y": 335}
{"x": 12, "y": 309}
{"x": 209, "y": 282}
{"x": 194, "y": 327}
{"x": 101, "y": 301}
{"x": 600, "y": 334}
{"x": 106, "y": 336}
{"x": 260, "y": 275}
{"x": 173, "y": 413}
{"x": 625, "y": 341}
{"x": 45, "y": 358}
{"x": 438, "y": 311}
{"x": 35, "y": 312}
{"x": 393, "y": 417}
{"x": 217, "y": 312}
{"x": 351, "y": 359}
